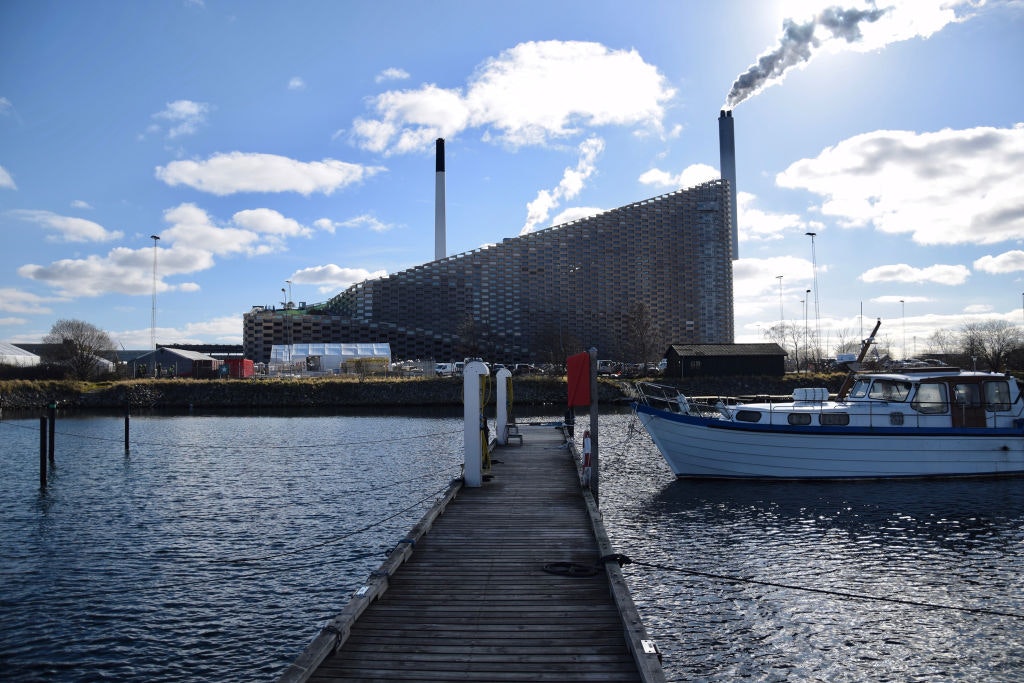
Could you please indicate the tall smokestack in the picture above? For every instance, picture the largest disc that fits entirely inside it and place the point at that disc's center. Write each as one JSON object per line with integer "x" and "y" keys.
{"x": 439, "y": 220}
{"x": 727, "y": 153}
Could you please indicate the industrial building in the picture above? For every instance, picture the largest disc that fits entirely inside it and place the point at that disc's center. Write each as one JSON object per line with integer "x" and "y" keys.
{"x": 663, "y": 263}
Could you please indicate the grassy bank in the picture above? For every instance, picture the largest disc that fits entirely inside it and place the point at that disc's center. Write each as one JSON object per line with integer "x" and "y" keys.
{"x": 341, "y": 392}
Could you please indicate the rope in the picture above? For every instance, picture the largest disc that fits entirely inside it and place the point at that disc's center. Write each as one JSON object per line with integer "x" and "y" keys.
{"x": 825, "y": 591}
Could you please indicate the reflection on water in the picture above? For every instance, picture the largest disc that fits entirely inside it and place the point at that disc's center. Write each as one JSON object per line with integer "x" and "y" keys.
{"x": 957, "y": 543}
{"x": 214, "y": 550}
{"x": 218, "y": 546}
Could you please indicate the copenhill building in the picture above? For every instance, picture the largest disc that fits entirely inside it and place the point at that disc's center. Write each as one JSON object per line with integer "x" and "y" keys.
{"x": 658, "y": 271}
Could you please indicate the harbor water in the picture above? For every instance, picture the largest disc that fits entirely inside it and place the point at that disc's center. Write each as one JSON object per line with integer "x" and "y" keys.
{"x": 217, "y": 547}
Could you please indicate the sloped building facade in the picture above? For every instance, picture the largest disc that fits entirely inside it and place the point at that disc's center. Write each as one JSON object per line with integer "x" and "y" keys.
{"x": 646, "y": 275}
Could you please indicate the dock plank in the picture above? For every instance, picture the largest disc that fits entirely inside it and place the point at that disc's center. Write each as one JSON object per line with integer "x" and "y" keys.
{"x": 473, "y": 602}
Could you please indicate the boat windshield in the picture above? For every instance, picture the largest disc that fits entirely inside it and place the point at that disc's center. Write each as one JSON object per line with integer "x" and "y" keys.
{"x": 860, "y": 388}
{"x": 889, "y": 390}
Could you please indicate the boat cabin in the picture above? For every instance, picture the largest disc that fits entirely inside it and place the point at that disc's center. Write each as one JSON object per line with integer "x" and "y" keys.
{"x": 970, "y": 399}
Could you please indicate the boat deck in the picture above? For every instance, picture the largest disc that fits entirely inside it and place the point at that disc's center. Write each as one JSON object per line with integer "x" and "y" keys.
{"x": 471, "y": 600}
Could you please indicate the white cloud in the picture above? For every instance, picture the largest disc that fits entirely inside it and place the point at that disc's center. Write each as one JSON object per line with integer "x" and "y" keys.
{"x": 222, "y": 330}
{"x": 528, "y": 95}
{"x": 757, "y": 225}
{"x": 270, "y": 222}
{"x": 392, "y": 74}
{"x": 1007, "y": 262}
{"x": 894, "y": 299}
{"x": 362, "y": 221}
{"x": 184, "y": 117}
{"x": 189, "y": 245}
{"x": 79, "y": 204}
{"x": 224, "y": 174}
{"x": 573, "y": 180}
{"x": 332, "y": 277}
{"x": 948, "y": 187}
{"x": 6, "y": 181}
{"x": 296, "y": 83}
{"x": 575, "y": 213}
{"x": 756, "y": 284}
{"x": 69, "y": 228}
{"x": 692, "y": 175}
{"x": 17, "y": 301}
{"x": 901, "y": 272}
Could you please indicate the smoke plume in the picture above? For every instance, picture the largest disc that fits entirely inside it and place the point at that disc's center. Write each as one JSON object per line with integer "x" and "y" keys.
{"x": 797, "y": 45}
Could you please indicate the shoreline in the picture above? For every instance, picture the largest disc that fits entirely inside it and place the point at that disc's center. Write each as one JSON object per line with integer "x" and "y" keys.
{"x": 330, "y": 393}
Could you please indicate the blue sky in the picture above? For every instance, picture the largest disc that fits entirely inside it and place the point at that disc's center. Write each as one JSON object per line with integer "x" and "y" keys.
{"x": 268, "y": 143}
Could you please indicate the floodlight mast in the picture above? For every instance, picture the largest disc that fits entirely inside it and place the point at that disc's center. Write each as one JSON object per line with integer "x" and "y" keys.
{"x": 152, "y": 320}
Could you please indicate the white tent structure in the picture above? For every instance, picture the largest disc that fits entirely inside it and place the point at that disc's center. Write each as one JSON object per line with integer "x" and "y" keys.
{"x": 12, "y": 355}
{"x": 331, "y": 356}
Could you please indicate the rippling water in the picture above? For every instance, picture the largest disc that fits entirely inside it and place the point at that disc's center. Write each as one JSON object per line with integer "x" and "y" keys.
{"x": 917, "y": 543}
{"x": 217, "y": 548}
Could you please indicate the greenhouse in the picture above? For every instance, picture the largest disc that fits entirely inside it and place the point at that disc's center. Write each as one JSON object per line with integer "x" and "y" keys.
{"x": 12, "y": 355}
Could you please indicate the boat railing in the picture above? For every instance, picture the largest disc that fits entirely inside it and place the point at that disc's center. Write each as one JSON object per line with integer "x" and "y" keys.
{"x": 670, "y": 399}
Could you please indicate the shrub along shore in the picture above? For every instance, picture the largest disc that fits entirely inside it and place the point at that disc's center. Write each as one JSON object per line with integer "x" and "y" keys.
{"x": 325, "y": 393}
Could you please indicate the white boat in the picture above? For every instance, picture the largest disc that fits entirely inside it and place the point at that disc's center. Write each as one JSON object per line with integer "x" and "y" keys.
{"x": 919, "y": 422}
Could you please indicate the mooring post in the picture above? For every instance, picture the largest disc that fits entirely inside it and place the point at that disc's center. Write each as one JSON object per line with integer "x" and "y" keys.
{"x": 472, "y": 471}
{"x": 503, "y": 379}
{"x": 52, "y": 410}
{"x": 127, "y": 420}
{"x": 594, "y": 469}
{"x": 42, "y": 452}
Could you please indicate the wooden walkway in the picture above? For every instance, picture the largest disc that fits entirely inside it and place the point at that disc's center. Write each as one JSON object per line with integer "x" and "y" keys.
{"x": 466, "y": 596}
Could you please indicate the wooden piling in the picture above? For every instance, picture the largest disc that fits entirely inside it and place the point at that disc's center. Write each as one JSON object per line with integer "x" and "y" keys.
{"x": 52, "y": 410}
{"x": 42, "y": 452}
{"x": 127, "y": 421}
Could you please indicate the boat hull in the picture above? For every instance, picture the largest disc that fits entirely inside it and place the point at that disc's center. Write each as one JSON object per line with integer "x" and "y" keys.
{"x": 695, "y": 446}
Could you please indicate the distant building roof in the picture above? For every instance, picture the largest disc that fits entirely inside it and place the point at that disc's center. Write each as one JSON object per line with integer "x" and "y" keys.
{"x": 760, "y": 349}
{"x": 346, "y": 351}
{"x": 181, "y": 353}
{"x": 13, "y": 355}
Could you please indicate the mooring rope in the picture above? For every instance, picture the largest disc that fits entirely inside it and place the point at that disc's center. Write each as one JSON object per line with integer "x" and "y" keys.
{"x": 826, "y": 591}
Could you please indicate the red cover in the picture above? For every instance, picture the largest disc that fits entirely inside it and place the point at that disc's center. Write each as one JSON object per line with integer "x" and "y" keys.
{"x": 578, "y": 371}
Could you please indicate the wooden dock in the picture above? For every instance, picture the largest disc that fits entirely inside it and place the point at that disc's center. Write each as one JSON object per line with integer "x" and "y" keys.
{"x": 475, "y": 592}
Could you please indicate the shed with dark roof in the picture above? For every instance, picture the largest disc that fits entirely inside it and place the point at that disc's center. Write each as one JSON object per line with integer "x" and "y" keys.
{"x": 721, "y": 360}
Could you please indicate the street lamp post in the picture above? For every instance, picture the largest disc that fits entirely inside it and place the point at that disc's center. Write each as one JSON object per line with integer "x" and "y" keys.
{"x": 807, "y": 297}
{"x": 814, "y": 277}
{"x": 903, "y": 315}
{"x": 782, "y": 316}
{"x": 152, "y": 314}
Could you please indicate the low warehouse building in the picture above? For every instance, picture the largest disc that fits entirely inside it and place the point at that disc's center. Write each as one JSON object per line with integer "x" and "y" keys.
{"x": 723, "y": 360}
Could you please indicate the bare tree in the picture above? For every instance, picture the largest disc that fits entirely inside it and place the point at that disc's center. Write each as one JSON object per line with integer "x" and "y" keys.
{"x": 846, "y": 342}
{"x": 944, "y": 341}
{"x": 990, "y": 341}
{"x": 641, "y": 334}
{"x": 83, "y": 346}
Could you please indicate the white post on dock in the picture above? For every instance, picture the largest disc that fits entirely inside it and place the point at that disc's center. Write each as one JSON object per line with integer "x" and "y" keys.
{"x": 472, "y": 473}
{"x": 502, "y": 424}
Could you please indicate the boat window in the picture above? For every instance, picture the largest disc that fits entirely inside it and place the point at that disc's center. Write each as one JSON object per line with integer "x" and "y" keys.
{"x": 860, "y": 388}
{"x": 799, "y": 418}
{"x": 834, "y": 419}
{"x": 748, "y": 416}
{"x": 889, "y": 390}
{"x": 967, "y": 395}
{"x": 930, "y": 398}
{"x": 997, "y": 396}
